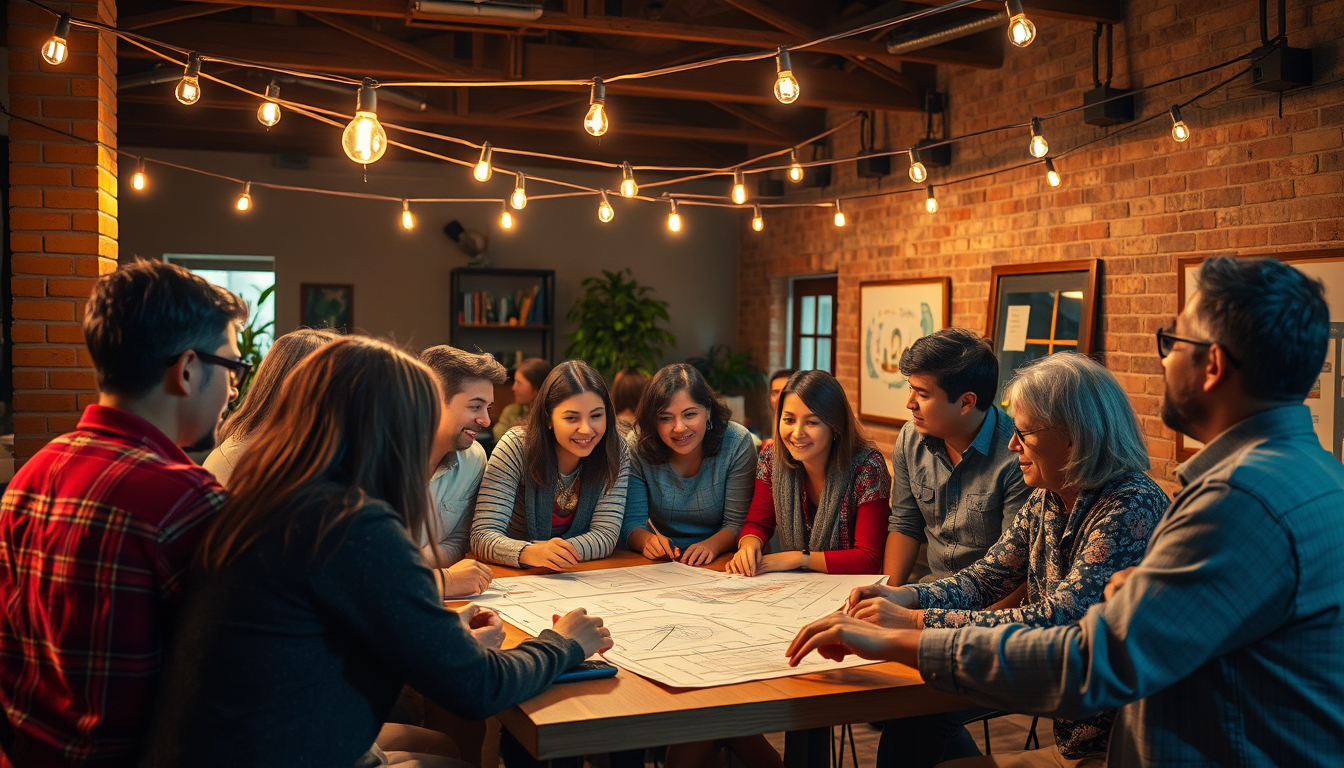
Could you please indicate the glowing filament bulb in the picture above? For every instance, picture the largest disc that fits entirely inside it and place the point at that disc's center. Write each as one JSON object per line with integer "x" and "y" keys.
{"x": 505, "y": 218}
{"x": 407, "y": 218}
{"x": 595, "y": 122}
{"x": 674, "y": 218}
{"x": 1051, "y": 175}
{"x": 795, "y": 167}
{"x": 364, "y": 139}
{"x": 244, "y": 202}
{"x": 840, "y": 219}
{"x": 519, "y": 197}
{"x": 918, "y": 173}
{"x": 188, "y": 89}
{"x": 628, "y": 186}
{"x": 268, "y": 114}
{"x": 786, "y": 85}
{"x": 757, "y": 221}
{"x": 1179, "y": 130}
{"x": 1038, "y": 147}
{"x": 739, "y": 187}
{"x": 139, "y": 181}
{"x": 605, "y": 213}
{"x": 930, "y": 202}
{"x": 56, "y": 48}
{"x": 1020, "y": 29}
{"x": 483, "y": 171}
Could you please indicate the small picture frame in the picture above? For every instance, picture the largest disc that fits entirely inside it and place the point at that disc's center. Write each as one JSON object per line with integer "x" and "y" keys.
{"x": 1040, "y": 309}
{"x": 892, "y": 315}
{"x": 327, "y": 305}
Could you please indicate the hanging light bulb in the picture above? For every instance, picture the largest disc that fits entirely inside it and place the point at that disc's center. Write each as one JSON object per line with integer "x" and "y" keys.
{"x": 483, "y": 171}
{"x": 1020, "y": 29}
{"x": 505, "y": 218}
{"x": 674, "y": 218}
{"x": 364, "y": 139}
{"x": 1038, "y": 147}
{"x": 188, "y": 89}
{"x": 519, "y": 197}
{"x": 786, "y": 85}
{"x": 1179, "y": 130}
{"x": 269, "y": 111}
{"x": 795, "y": 167}
{"x": 918, "y": 173}
{"x": 139, "y": 181}
{"x": 407, "y": 218}
{"x": 930, "y": 202}
{"x": 56, "y": 49}
{"x": 1051, "y": 175}
{"x": 628, "y": 186}
{"x": 739, "y": 187}
{"x": 605, "y": 212}
{"x": 595, "y": 122}
{"x": 244, "y": 202}
{"x": 840, "y": 220}
{"x": 757, "y": 221}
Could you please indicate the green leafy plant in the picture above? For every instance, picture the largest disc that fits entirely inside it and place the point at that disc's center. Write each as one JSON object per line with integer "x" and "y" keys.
{"x": 728, "y": 373}
{"x": 618, "y": 325}
{"x": 250, "y": 339}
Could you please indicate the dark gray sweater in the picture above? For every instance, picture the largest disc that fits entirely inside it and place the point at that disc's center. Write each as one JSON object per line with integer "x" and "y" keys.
{"x": 286, "y": 659}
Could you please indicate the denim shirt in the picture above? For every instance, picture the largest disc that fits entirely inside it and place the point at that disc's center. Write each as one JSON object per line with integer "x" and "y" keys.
{"x": 959, "y": 511}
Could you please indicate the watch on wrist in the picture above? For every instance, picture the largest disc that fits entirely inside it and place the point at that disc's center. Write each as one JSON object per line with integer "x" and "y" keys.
{"x": 807, "y": 556}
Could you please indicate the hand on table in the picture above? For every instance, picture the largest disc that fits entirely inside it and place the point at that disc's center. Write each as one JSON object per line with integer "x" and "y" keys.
{"x": 885, "y": 613}
{"x": 699, "y": 553}
{"x": 586, "y": 630}
{"x": 747, "y": 561}
{"x": 555, "y": 554}
{"x": 484, "y": 624}
{"x": 1117, "y": 581}
{"x": 658, "y": 546}
{"x": 837, "y": 635}
{"x": 899, "y": 595}
{"x": 466, "y": 577}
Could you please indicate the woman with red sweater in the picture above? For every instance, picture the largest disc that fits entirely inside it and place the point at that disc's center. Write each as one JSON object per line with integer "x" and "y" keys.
{"x": 822, "y": 485}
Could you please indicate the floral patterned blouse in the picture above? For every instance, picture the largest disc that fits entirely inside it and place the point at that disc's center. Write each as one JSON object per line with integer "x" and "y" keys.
{"x": 1065, "y": 560}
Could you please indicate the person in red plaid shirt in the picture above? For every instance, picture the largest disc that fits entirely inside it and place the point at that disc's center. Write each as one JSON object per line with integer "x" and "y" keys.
{"x": 97, "y": 530}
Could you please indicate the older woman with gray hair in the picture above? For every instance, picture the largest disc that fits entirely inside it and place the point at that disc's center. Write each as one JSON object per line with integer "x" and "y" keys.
{"x": 1079, "y": 445}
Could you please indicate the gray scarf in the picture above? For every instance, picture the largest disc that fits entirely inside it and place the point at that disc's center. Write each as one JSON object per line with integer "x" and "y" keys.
{"x": 531, "y": 519}
{"x": 790, "y": 516}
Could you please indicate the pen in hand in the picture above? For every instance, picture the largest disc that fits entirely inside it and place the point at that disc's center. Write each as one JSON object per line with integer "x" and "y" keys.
{"x": 673, "y": 553}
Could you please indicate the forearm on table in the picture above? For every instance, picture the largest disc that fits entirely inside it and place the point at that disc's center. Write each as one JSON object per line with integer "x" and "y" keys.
{"x": 901, "y": 552}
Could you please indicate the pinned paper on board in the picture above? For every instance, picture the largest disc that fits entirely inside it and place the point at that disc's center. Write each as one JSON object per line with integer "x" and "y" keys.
{"x": 1015, "y": 331}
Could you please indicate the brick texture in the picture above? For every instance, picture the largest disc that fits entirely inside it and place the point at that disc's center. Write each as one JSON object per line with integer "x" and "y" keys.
{"x": 1248, "y": 181}
{"x": 63, "y": 209}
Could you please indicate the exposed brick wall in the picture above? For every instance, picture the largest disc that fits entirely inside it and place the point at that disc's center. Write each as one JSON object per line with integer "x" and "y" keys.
{"x": 63, "y": 212}
{"x": 1247, "y": 181}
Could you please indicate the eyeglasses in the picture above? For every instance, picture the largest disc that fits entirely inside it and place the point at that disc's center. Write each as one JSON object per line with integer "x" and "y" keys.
{"x": 1022, "y": 436}
{"x": 238, "y": 369}
{"x": 1166, "y": 340}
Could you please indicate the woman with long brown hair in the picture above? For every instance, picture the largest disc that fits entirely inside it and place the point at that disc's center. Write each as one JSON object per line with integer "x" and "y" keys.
{"x": 311, "y": 606}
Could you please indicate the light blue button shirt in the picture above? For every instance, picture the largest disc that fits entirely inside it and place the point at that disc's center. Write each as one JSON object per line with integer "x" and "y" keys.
{"x": 453, "y": 492}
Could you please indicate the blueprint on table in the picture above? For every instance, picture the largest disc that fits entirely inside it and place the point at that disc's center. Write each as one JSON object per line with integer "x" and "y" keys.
{"x": 682, "y": 626}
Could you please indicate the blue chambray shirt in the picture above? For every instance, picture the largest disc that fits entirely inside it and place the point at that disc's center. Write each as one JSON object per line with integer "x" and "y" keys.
{"x": 959, "y": 511}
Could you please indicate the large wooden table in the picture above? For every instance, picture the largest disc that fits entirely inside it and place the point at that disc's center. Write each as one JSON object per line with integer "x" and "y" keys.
{"x": 628, "y": 711}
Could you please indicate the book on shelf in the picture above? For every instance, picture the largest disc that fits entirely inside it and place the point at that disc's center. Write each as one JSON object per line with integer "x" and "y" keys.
{"x": 525, "y": 307}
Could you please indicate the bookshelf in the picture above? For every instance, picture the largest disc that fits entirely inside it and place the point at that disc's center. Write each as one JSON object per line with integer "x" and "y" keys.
{"x": 480, "y": 294}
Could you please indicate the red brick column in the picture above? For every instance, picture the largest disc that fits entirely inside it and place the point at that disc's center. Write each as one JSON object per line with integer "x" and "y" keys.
{"x": 63, "y": 211}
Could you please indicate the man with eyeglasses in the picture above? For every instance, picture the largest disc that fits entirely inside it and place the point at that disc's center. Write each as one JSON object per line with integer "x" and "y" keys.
{"x": 1225, "y": 645}
{"x": 98, "y": 528}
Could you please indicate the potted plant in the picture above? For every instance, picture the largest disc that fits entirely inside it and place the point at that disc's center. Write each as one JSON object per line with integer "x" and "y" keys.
{"x": 731, "y": 375}
{"x": 617, "y": 325}
{"x": 250, "y": 338}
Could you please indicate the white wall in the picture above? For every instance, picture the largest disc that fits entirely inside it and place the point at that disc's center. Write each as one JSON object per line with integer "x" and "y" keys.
{"x": 402, "y": 278}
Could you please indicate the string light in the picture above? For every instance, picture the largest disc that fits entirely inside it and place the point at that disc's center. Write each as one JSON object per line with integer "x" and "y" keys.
{"x": 56, "y": 48}
{"x": 505, "y": 218}
{"x": 786, "y": 85}
{"x": 364, "y": 139}
{"x": 628, "y": 186}
{"x": 1020, "y": 29}
{"x": 595, "y": 122}
{"x": 407, "y": 218}
{"x": 605, "y": 213}
{"x": 519, "y": 197}
{"x": 840, "y": 220}
{"x": 1179, "y": 130}
{"x": 188, "y": 89}
{"x": 1051, "y": 175}
{"x": 139, "y": 181}
{"x": 739, "y": 187}
{"x": 930, "y": 202}
{"x": 795, "y": 167}
{"x": 918, "y": 173}
{"x": 1038, "y": 147}
{"x": 757, "y": 221}
{"x": 483, "y": 171}
{"x": 244, "y": 202}
{"x": 674, "y": 218}
{"x": 268, "y": 114}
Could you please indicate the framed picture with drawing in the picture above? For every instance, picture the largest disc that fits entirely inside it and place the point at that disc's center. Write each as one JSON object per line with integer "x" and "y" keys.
{"x": 892, "y": 315}
{"x": 1040, "y": 309}
{"x": 327, "y": 306}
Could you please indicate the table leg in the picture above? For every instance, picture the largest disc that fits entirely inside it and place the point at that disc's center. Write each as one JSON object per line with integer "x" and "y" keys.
{"x": 807, "y": 749}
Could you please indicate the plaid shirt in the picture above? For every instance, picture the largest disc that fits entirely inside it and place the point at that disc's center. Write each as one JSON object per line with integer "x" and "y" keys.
{"x": 96, "y": 533}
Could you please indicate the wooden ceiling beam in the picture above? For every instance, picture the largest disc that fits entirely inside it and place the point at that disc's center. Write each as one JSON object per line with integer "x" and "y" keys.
{"x": 392, "y": 45}
{"x": 169, "y": 15}
{"x": 536, "y": 106}
{"x": 1109, "y": 11}
{"x": 785, "y": 132}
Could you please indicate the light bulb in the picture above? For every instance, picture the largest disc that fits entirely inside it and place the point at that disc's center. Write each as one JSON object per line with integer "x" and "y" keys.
{"x": 56, "y": 49}
{"x": 918, "y": 173}
{"x": 795, "y": 168}
{"x": 840, "y": 220}
{"x": 269, "y": 111}
{"x": 930, "y": 202}
{"x": 739, "y": 187}
{"x": 1039, "y": 147}
{"x": 1020, "y": 29}
{"x": 483, "y": 171}
{"x": 595, "y": 122}
{"x": 505, "y": 218}
{"x": 628, "y": 186}
{"x": 757, "y": 222}
{"x": 786, "y": 85}
{"x": 519, "y": 197}
{"x": 1179, "y": 130}
{"x": 188, "y": 89}
{"x": 674, "y": 218}
{"x": 605, "y": 212}
{"x": 407, "y": 218}
{"x": 364, "y": 139}
{"x": 244, "y": 202}
{"x": 1051, "y": 175}
{"x": 139, "y": 181}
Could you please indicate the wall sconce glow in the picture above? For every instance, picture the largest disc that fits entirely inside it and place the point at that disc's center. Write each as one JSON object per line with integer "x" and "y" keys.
{"x": 674, "y": 218}
{"x": 786, "y": 85}
{"x": 268, "y": 114}
{"x": 482, "y": 172}
{"x": 595, "y": 122}
{"x": 757, "y": 221}
{"x": 244, "y": 203}
{"x": 519, "y": 197}
{"x": 1020, "y": 29}
{"x": 56, "y": 49}
{"x": 1038, "y": 147}
{"x": 364, "y": 139}
{"x": 407, "y": 218}
{"x": 930, "y": 202}
{"x": 840, "y": 219}
{"x": 605, "y": 213}
{"x": 1179, "y": 130}
{"x": 739, "y": 194}
{"x": 188, "y": 89}
{"x": 628, "y": 186}
{"x": 795, "y": 167}
{"x": 918, "y": 173}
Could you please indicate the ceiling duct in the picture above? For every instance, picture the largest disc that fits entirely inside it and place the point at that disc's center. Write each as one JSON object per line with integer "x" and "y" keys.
{"x": 498, "y": 10}
{"x": 898, "y": 43}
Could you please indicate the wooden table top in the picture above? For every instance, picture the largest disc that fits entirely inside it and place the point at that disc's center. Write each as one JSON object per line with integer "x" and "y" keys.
{"x": 629, "y": 711}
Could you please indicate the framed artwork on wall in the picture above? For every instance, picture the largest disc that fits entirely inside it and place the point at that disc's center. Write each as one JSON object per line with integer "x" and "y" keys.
{"x": 1040, "y": 309}
{"x": 327, "y": 305}
{"x": 1326, "y": 399}
{"x": 892, "y": 315}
